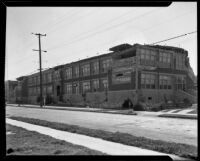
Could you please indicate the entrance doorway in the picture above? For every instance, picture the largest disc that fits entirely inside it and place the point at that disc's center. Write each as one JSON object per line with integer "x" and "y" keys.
{"x": 58, "y": 90}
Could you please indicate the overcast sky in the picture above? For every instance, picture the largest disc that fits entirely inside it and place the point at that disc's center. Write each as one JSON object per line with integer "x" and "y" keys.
{"x": 75, "y": 33}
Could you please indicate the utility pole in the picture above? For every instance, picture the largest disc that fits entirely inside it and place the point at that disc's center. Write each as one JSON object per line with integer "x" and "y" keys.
{"x": 40, "y": 60}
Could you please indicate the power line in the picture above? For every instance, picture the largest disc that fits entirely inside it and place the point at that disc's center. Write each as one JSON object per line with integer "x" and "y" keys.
{"x": 73, "y": 20}
{"x": 108, "y": 22}
{"x": 48, "y": 31}
{"x": 174, "y": 37}
{"x": 106, "y": 29}
{"x": 58, "y": 19}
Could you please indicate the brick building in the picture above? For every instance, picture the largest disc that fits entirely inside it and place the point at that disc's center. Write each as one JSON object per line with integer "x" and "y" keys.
{"x": 10, "y": 91}
{"x": 152, "y": 73}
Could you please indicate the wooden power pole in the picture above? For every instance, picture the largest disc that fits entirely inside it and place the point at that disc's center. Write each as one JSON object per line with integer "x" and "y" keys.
{"x": 40, "y": 60}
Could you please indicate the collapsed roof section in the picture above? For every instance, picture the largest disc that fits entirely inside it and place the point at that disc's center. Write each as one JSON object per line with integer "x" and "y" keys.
{"x": 120, "y": 47}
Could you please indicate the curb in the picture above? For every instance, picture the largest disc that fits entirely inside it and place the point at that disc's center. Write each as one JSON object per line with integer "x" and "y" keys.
{"x": 65, "y": 108}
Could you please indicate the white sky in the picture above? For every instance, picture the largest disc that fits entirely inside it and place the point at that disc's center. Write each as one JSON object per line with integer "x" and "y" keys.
{"x": 75, "y": 33}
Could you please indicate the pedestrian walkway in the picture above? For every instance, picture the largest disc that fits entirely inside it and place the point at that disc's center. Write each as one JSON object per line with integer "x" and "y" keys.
{"x": 176, "y": 113}
{"x": 189, "y": 113}
{"x": 110, "y": 148}
{"x": 85, "y": 109}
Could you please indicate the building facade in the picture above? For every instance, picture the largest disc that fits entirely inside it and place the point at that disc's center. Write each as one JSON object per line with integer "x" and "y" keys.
{"x": 10, "y": 91}
{"x": 151, "y": 73}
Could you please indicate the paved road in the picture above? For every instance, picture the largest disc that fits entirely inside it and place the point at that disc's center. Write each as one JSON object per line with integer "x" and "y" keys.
{"x": 167, "y": 129}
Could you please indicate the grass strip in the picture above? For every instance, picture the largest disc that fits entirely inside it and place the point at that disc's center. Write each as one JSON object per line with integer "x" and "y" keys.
{"x": 193, "y": 112}
{"x": 24, "y": 142}
{"x": 178, "y": 116}
{"x": 177, "y": 111}
{"x": 182, "y": 150}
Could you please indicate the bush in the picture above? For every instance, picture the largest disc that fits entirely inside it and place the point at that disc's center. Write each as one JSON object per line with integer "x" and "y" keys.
{"x": 139, "y": 107}
{"x": 38, "y": 99}
{"x": 49, "y": 100}
{"x": 156, "y": 109}
{"x": 187, "y": 102}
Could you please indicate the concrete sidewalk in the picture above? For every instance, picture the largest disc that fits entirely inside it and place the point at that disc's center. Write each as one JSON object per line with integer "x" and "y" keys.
{"x": 104, "y": 146}
{"x": 179, "y": 113}
{"x": 182, "y": 114}
{"x": 84, "y": 109}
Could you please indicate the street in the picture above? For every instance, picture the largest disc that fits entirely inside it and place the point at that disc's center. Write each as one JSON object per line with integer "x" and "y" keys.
{"x": 166, "y": 129}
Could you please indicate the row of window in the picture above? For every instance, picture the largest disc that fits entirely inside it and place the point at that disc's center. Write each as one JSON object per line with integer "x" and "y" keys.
{"x": 179, "y": 61}
{"x": 85, "y": 69}
{"x": 36, "y": 91}
{"x": 148, "y": 81}
{"x": 150, "y": 56}
{"x": 46, "y": 78}
{"x": 147, "y": 55}
{"x": 86, "y": 86}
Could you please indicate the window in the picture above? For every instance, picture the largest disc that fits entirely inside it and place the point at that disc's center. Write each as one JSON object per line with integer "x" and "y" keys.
{"x": 44, "y": 78}
{"x": 30, "y": 81}
{"x": 165, "y": 82}
{"x": 76, "y": 87}
{"x": 106, "y": 64}
{"x": 38, "y": 90}
{"x": 57, "y": 75}
{"x": 86, "y": 70}
{"x": 76, "y": 72}
{"x": 49, "y": 77}
{"x": 38, "y": 79}
{"x": 49, "y": 90}
{"x": 95, "y": 67}
{"x": 148, "y": 81}
{"x": 44, "y": 90}
{"x": 105, "y": 83}
{"x": 180, "y": 61}
{"x": 147, "y": 56}
{"x": 180, "y": 82}
{"x": 30, "y": 91}
{"x": 68, "y": 88}
{"x": 86, "y": 86}
{"x": 95, "y": 85}
{"x": 165, "y": 57}
{"x": 68, "y": 73}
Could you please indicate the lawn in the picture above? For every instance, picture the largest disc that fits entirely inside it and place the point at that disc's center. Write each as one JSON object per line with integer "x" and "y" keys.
{"x": 182, "y": 150}
{"x": 23, "y": 142}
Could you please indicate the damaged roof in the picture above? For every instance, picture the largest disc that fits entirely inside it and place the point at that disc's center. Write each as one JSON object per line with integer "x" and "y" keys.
{"x": 120, "y": 47}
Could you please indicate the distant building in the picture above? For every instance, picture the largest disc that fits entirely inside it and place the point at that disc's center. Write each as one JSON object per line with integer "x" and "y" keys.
{"x": 152, "y": 73}
{"x": 10, "y": 87}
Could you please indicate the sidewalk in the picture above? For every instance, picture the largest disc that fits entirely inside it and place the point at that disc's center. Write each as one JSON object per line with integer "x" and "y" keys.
{"x": 104, "y": 146}
{"x": 179, "y": 113}
{"x": 172, "y": 113}
{"x": 84, "y": 109}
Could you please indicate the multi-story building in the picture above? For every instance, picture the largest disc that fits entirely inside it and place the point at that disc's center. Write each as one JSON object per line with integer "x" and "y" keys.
{"x": 10, "y": 91}
{"x": 153, "y": 73}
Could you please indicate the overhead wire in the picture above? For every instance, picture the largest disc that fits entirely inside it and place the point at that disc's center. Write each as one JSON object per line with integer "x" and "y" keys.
{"x": 103, "y": 24}
{"x": 174, "y": 37}
{"x": 106, "y": 29}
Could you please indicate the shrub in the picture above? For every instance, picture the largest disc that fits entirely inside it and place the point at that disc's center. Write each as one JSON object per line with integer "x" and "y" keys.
{"x": 139, "y": 107}
{"x": 187, "y": 102}
{"x": 38, "y": 99}
{"x": 49, "y": 99}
